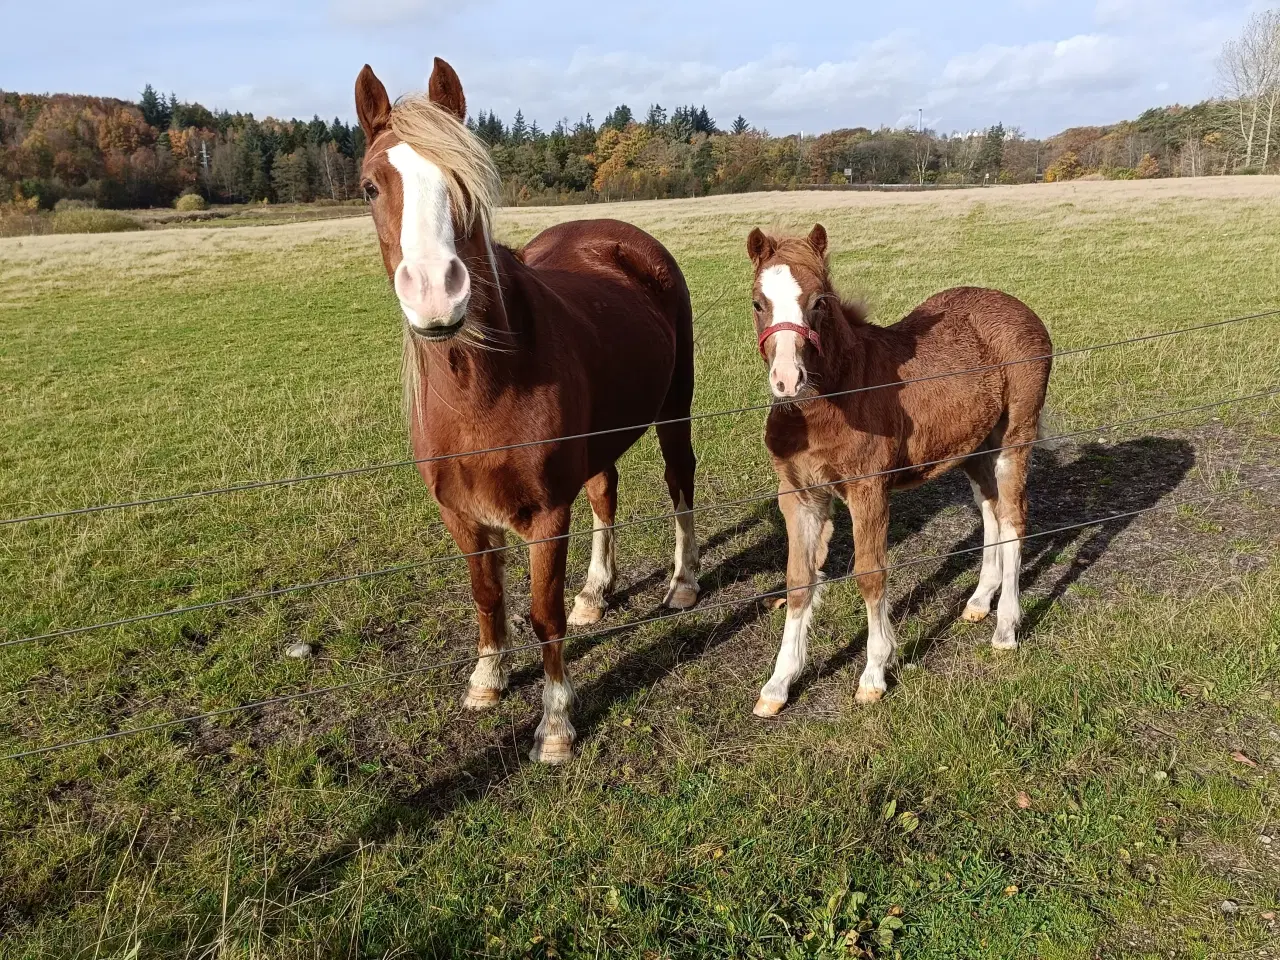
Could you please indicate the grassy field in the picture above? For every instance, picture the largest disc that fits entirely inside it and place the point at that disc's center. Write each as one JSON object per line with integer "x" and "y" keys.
{"x": 1111, "y": 789}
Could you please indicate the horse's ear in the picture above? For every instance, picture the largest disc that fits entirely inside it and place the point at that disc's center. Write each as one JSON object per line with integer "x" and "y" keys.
{"x": 760, "y": 246}
{"x": 373, "y": 107}
{"x": 818, "y": 239}
{"x": 445, "y": 90}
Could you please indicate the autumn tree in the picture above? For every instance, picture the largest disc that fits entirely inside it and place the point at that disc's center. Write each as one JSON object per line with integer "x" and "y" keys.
{"x": 1249, "y": 77}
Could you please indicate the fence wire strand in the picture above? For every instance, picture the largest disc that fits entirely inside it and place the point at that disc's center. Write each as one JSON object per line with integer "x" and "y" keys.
{"x": 635, "y": 521}
{"x": 396, "y": 464}
{"x": 520, "y": 648}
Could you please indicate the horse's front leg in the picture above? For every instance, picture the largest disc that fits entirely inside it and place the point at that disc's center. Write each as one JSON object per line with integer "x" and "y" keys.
{"x": 553, "y": 740}
{"x": 869, "y": 508}
{"x": 486, "y": 548}
{"x": 808, "y": 517}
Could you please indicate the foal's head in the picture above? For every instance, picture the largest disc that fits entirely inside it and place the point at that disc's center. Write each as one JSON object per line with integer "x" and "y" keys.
{"x": 431, "y": 186}
{"x": 789, "y": 301}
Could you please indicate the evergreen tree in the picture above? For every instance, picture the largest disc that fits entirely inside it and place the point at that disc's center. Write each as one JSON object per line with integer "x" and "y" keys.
{"x": 619, "y": 118}
{"x": 152, "y": 106}
{"x": 519, "y": 130}
{"x": 656, "y": 118}
{"x": 991, "y": 153}
{"x": 739, "y": 125}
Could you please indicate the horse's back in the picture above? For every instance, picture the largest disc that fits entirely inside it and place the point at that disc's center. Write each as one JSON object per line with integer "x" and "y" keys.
{"x": 610, "y": 251}
{"x": 1007, "y": 327}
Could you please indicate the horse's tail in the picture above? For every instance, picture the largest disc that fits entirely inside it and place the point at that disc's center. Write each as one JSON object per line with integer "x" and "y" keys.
{"x": 1048, "y": 432}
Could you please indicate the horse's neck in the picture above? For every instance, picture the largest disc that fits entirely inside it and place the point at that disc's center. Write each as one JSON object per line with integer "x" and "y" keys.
{"x": 846, "y": 352}
{"x": 462, "y": 376}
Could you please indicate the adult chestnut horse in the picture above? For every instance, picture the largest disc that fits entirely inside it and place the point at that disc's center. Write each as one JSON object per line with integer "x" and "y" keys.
{"x": 586, "y": 329}
{"x": 808, "y": 336}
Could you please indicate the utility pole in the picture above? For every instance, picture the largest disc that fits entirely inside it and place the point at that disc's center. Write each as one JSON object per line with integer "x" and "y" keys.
{"x": 204, "y": 156}
{"x": 920, "y": 125}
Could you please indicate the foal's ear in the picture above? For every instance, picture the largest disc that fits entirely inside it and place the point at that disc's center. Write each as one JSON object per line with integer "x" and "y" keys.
{"x": 760, "y": 246}
{"x": 445, "y": 90}
{"x": 818, "y": 239}
{"x": 373, "y": 107}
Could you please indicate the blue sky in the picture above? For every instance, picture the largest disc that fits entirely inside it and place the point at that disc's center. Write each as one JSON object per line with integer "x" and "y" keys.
{"x": 785, "y": 64}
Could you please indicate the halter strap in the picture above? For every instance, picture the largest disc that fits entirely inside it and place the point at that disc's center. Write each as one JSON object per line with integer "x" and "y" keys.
{"x": 808, "y": 333}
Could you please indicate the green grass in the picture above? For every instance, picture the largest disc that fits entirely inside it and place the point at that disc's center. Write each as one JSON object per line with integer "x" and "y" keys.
{"x": 382, "y": 820}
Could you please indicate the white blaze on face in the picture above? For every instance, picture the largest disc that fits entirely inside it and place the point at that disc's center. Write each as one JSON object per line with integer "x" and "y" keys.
{"x": 786, "y": 375}
{"x": 431, "y": 281}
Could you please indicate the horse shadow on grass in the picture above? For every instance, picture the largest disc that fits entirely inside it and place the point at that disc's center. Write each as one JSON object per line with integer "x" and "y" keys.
{"x": 1098, "y": 482}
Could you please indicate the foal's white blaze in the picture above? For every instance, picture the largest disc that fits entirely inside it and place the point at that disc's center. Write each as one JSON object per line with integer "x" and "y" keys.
{"x": 431, "y": 281}
{"x": 786, "y": 375}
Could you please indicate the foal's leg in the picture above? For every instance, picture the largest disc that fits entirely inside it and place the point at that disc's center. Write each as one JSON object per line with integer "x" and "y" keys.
{"x": 488, "y": 569}
{"x": 677, "y": 451}
{"x": 809, "y": 526}
{"x": 1011, "y": 510}
{"x": 553, "y": 740}
{"x": 602, "y": 492}
{"x": 982, "y": 480}
{"x": 869, "y": 508}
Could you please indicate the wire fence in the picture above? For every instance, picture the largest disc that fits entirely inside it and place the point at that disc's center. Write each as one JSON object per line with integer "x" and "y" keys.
{"x": 672, "y": 515}
{"x": 692, "y": 418}
{"x": 630, "y": 625}
{"x": 719, "y": 505}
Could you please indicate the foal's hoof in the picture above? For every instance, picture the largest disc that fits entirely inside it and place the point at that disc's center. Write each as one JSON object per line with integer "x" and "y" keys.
{"x": 585, "y": 613}
{"x": 868, "y": 695}
{"x": 552, "y": 750}
{"x": 768, "y": 708}
{"x": 974, "y": 614}
{"x": 682, "y": 596}
{"x": 481, "y": 698}
{"x": 1004, "y": 640}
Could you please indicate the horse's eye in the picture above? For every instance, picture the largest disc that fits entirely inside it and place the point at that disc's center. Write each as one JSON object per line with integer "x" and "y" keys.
{"x": 370, "y": 190}
{"x": 755, "y": 305}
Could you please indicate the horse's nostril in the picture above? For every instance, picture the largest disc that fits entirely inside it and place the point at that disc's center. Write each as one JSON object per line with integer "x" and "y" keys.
{"x": 454, "y": 278}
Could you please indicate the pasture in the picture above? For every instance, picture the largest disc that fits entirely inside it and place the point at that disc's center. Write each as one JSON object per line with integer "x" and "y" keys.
{"x": 1111, "y": 789}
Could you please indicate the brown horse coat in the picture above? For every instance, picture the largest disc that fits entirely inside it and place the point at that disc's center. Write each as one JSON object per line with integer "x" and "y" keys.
{"x": 821, "y": 433}
{"x": 587, "y": 329}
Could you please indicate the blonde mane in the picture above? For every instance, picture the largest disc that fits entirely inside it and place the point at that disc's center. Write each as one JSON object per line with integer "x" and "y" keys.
{"x": 437, "y": 135}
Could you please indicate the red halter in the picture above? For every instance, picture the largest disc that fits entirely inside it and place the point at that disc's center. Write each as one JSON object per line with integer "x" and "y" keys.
{"x": 808, "y": 333}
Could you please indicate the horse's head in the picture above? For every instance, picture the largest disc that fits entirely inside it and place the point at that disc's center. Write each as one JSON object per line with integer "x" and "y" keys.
{"x": 431, "y": 186}
{"x": 789, "y": 302}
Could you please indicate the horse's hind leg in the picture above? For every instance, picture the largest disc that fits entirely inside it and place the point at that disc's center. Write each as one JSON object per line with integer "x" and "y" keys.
{"x": 1011, "y": 511}
{"x": 677, "y": 450}
{"x": 602, "y": 492}
{"x": 982, "y": 479}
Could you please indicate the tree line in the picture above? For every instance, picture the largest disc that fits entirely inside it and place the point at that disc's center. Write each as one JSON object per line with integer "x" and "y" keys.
{"x": 120, "y": 154}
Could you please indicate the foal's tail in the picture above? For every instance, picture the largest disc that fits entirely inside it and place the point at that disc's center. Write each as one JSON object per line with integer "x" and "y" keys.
{"x": 1048, "y": 433}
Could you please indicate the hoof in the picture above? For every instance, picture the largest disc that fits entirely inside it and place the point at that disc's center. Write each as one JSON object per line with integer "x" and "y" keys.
{"x": 974, "y": 614}
{"x": 1006, "y": 641}
{"x": 481, "y": 698}
{"x": 682, "y": 597}
{"x": 554, "y": 750}
{"x": 768, "y": 708}
{"x": 868, "y": 695}
{"x": 585, "y": 613}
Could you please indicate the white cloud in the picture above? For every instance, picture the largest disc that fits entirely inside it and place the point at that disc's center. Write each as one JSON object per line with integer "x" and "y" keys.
{"x": 391, "y": 12}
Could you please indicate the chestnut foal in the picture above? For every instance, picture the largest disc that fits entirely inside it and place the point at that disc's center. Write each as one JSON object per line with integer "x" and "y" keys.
{"x": 587, "y": 328}
{"x": 810, "y": 338}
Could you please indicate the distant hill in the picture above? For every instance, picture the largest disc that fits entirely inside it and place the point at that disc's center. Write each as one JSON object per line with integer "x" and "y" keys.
{"x": 117, "y": 153}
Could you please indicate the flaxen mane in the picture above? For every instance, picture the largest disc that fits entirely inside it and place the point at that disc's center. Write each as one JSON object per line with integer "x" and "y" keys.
{"x": 437, "y": 135}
